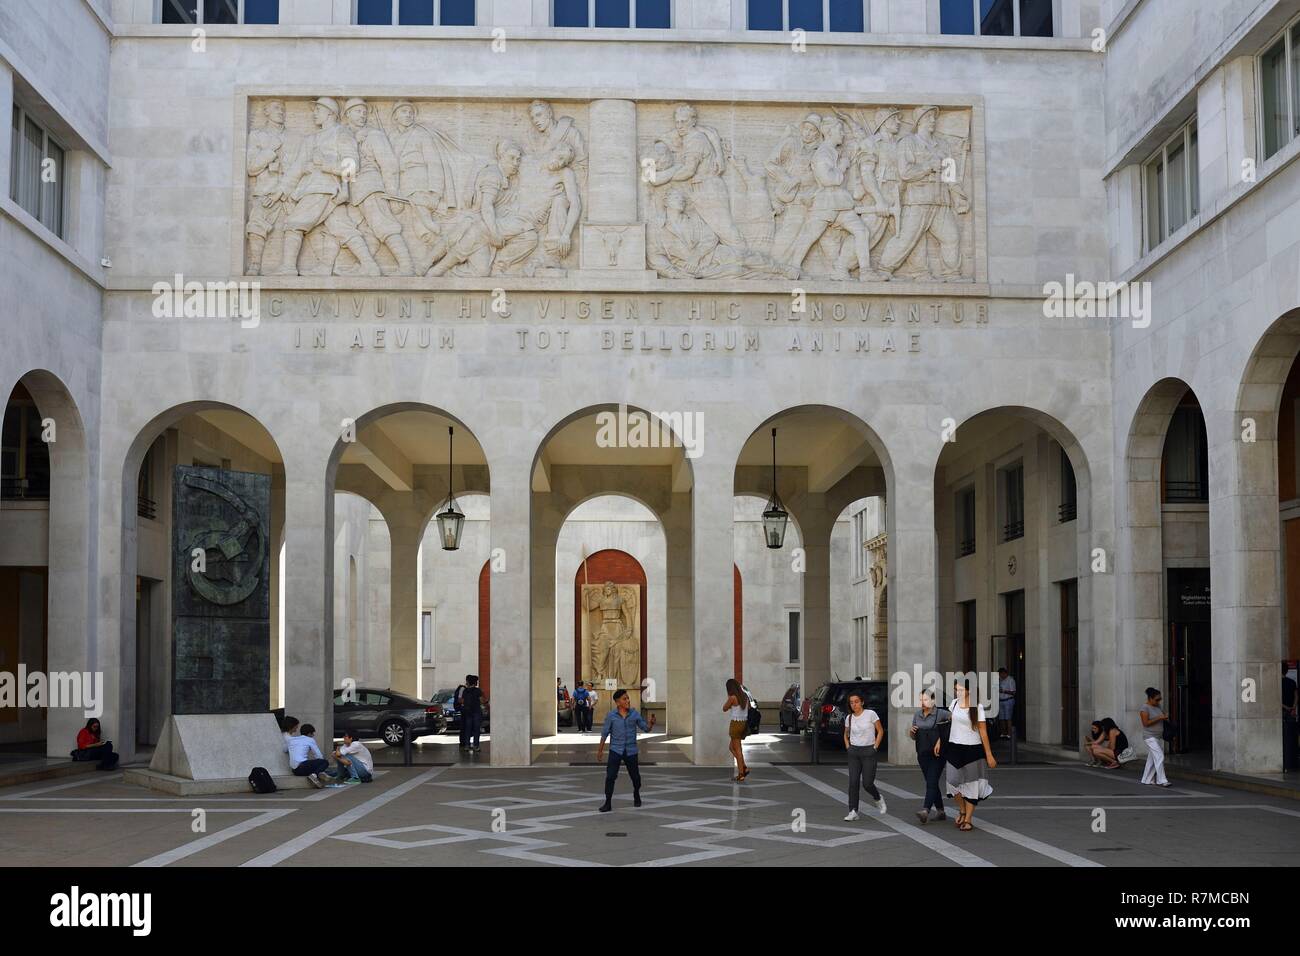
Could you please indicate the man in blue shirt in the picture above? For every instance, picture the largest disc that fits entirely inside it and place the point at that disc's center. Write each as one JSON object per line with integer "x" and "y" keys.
{"x": 620, "y": 728}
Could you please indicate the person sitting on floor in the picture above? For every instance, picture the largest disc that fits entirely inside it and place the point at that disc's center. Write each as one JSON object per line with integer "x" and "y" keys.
{"x": 354, "y": 762}
{"x": 1107, "y": 744}
{"x": 289, "y": 727}
{"x": 305, "y": 758}
{"x": 91, "y": 746}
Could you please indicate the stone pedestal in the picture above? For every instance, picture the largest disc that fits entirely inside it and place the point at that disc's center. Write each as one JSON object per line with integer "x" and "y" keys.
{"x": 214, "y": 753}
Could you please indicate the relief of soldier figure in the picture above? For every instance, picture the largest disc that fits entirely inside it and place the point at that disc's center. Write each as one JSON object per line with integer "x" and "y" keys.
{"x": 358, "y": 195}
{"x": 869, "y": 198}
{"x": 851, "y": 195}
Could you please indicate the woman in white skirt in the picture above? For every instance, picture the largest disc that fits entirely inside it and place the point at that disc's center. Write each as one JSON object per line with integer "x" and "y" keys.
{"x": 969, "y": 756}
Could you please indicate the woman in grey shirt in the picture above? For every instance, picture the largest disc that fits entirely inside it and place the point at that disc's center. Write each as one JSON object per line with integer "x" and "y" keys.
{"x": 1153, "y": 717}
{"x": 930, "y": 725}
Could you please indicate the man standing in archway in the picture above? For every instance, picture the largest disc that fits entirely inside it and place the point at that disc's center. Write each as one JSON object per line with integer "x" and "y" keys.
{"x": 620, "y": 729}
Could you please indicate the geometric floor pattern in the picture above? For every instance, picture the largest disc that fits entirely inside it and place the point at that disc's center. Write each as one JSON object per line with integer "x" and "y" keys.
{"x": 1046, "y": 815}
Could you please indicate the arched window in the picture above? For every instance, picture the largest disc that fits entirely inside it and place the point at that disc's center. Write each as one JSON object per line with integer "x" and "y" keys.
{"x": 24, "y": 456}
{"x": 1185, "y": 467}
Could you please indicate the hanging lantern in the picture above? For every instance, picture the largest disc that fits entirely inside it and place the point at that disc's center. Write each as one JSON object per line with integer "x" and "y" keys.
{"x": 775, "y": 517}
{"x": 451, "y": 519}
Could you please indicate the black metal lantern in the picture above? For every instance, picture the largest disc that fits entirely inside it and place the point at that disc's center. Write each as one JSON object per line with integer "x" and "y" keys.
{"x": 775, "y": 517}
{"x": 451, "y": 519}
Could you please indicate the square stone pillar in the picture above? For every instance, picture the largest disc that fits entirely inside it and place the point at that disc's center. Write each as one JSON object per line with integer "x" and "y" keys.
{"x": 680, "y": 692}
{"x": 913, "y": 639}
{"x": 816, "y": 526}
{"x": 309, "y": 601}
{"x": 612, "y": 239}
{"x": 511, "y": 647}
{"x": 406, "y": 528}
{"x": 712, "y": 562}
{"x": 546, "y": 523}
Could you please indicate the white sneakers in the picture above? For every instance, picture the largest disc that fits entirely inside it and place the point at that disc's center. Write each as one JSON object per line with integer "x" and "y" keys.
{"x": 853, "y": 815}
{"x": 880, "y": 805}
{"x": 315, "y": 780}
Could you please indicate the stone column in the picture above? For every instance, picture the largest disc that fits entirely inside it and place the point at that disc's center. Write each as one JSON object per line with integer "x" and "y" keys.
{"x": 680, "y": 692}
{"x": 511, "y": 642}
{"x": 1246, "y": 642}
{"x": 912, "y": 587}
{"x": 547, "y": 521}
{"x": 613, "y": 241}
{"x": 406, "y": 528}
{"x": 712, "y": 562}
{"x": 309, "y": 602}
{"x": 815, "y": 651}
{"x": 276, "y": 532}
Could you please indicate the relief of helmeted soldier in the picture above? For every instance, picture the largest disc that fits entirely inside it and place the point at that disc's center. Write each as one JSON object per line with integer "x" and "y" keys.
{"x": 264, "y": 162}
{"x": 791, "y": 182}
{"x": 376, "y": 191}
{"x": 317, "y": 185}
{"x": 930, "y": 206}
{"x": 426, "y": 177}
{"x": 699, "y": 162}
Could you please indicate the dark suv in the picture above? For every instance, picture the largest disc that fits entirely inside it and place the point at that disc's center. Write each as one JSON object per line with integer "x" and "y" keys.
{"x": 830, "y": 702}
{"x": 386, "y": 715}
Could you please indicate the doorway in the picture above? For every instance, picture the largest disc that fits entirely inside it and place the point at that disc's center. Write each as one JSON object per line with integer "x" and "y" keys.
{"x": 1014, "y": 604}
{"x": 1190, "y": 690}
{"x": 1069, "y": 662}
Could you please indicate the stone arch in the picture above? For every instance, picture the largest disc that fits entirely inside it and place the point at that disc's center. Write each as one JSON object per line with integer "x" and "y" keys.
{"x": 128, "y": 719}
{"x": 1044, "y": 707}
{"x": 69, "y": 595}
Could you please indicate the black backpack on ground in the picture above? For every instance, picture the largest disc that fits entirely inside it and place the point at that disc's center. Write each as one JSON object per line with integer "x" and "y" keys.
{"x": 260, "y": 780}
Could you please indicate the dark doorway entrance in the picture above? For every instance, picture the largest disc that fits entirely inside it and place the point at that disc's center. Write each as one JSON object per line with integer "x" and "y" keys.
{"x": 1070, "y": 662}
{"x": 1190, "y": 690}
{"x": 966, "y": 615}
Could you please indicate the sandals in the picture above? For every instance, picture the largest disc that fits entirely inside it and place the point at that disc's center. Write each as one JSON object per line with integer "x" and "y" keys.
{"x": 740, "y": 778}
{"x": 965, "y": 826}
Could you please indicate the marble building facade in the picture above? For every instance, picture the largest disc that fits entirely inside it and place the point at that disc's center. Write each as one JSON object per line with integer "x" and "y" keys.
{"x": 509, "y": 228}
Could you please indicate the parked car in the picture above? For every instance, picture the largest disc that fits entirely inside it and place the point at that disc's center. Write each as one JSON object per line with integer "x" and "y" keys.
{"x": 790, "y": 714}
{"x": 829, "y": 704}
{"x": 386, "y": 715}
{"x": 563, "y": 707}
{"x": 447, "y": 700}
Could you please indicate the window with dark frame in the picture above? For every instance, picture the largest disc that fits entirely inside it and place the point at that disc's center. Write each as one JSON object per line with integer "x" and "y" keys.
{"x": 415, "y": 13}
{"x": 996, "y": 18}
{"x": 612, "y": 14}
{"x": 965, "y": 523}
{"x": 220, "y": 12}
{"x": 1013, "y": 500}
{"x": 1185, "y": 464}
{"x": 811, "y": 16}
{"x": 1069, "y": 507}
{"x": 792, "y": 619}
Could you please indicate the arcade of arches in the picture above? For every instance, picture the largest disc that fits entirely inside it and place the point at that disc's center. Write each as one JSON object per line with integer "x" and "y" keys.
{"x": 1014, "y": 507}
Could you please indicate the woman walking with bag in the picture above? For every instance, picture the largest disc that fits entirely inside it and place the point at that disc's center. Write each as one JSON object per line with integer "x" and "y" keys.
{"x": 737, "y": 707}
{"x": 930, "y": 725}
{"x": 862, "y": 736}
{"x": 968, "y": 755}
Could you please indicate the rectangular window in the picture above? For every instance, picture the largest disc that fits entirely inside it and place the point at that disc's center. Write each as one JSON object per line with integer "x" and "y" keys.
{"x": 996, "y": 18}
{"x": 1279, "y": 90}
{"x": 1069, "y": 507}
{"x": 966, "y": 619}
{"x": 965, "y": 523}
{"x": 612, "y": 14}
{"x": 1171, "y": 186}
{"x": 221, "y": 12}
{"x": 792, "y": 625}
{"x": 414, "y": 13}
{"x": 811, "y": 16}
{"x": 1186, "y": 461}
{"x": 426, "y": 637}
{"x": 36, "y": 171}
{"x": 1013, "y": 502}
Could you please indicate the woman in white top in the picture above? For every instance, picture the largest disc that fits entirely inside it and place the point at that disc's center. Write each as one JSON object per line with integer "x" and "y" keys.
{"x": 862, "y": 736}
{"x": 737, "y": 707}
{"x": 968, "y": 754}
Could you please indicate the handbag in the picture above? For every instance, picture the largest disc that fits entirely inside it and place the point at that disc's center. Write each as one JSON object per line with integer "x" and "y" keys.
{"x": 1170, "y": 730}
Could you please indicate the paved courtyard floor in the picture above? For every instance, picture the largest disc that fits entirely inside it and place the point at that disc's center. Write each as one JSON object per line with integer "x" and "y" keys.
{"x": 783, "y": 815}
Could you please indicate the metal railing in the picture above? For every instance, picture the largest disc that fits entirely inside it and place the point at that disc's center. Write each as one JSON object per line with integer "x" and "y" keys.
{"x": 1068, "y": 511}
{"x": 965, "y": 547}
{"x": 1013, "y": 530}
{"x": 25, "y": 489}
{"x": 1186, "y": 491}
{"x": 146, "y": 507}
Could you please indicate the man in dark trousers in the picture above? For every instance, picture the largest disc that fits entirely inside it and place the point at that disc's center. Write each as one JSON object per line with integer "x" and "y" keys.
{"x": 620, "y": 729}
{"x": 471, "y": 712}
{"x": 459, "y": 703}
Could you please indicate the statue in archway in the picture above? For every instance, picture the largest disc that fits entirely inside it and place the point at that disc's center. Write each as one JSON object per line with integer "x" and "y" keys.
{"x": 612, "y": 631}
